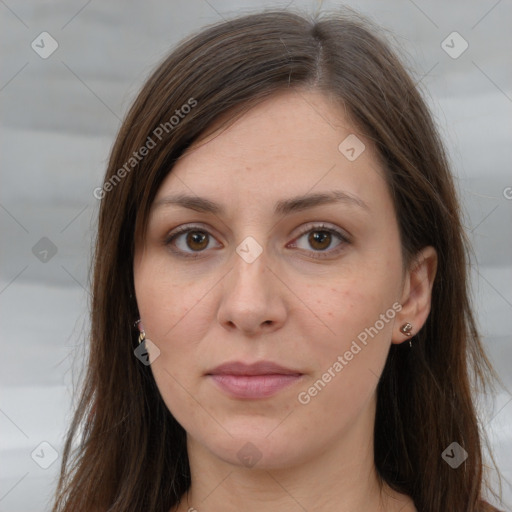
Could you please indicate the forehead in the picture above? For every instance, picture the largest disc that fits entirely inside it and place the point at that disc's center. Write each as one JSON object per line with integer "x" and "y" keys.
{"x": 290, "y": 144}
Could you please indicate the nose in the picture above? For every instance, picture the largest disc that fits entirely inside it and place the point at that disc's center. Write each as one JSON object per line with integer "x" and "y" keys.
{"x": 253, "y": 298}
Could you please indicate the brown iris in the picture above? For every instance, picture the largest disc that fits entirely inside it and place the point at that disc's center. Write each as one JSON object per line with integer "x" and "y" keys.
{"x": 319, "y": 237}
{"x": 197, "y": 240}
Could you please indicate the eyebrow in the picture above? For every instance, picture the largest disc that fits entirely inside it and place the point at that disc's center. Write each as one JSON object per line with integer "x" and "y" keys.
{"x": 282, "y": 207}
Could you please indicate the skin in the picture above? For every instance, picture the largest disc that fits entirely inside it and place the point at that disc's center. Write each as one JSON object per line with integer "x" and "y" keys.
{"x": 286, "y": 306}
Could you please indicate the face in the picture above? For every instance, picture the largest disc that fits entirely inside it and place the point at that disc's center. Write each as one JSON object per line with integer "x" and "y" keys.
{"x": 291, "y": 259}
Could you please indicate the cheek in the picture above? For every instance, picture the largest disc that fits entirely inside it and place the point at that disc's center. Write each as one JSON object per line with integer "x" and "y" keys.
{"x": 169, "y": 314}
{"x": 354, "y": 306}
{"x": 177, "y": 314}
{"x": 349, "y": 362}
{"x": 166, "y": 302}
{"x": 358, "y": 315}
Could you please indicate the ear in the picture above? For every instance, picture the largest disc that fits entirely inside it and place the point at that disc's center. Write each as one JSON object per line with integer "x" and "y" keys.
{"x": 416, "y": 294}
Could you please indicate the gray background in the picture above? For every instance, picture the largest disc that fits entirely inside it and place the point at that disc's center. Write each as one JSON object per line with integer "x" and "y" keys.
{"x": 59, "y": 117}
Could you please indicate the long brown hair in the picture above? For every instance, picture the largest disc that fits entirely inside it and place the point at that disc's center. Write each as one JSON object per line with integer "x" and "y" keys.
{"x": 131, "y": 452}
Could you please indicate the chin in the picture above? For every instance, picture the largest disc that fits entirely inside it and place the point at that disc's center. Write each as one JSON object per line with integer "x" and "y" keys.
{"x": 255, "y": 449}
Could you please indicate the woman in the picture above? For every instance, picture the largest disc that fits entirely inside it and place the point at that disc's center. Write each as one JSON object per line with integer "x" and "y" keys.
{"x": 280, "y": 310}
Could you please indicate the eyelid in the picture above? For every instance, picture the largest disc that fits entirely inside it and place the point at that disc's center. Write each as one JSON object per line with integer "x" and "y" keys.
{"x": 325, "y": 226}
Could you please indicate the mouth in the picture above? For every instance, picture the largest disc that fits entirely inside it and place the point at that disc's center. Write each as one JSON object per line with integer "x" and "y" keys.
{"x": 253, "y": 381}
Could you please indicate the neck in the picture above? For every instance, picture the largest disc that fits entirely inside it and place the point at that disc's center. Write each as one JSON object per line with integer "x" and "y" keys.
{"x": 342, "y": 478}
{"x": 287, "y": 490}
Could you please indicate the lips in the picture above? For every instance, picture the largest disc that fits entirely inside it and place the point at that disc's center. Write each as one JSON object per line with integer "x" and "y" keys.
{"x": 259, "y": 368}
{"x": 252, "y": 381}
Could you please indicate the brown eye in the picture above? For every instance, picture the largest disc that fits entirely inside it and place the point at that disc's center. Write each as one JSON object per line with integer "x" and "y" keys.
{"x": 320, "y": 240}
{"x": 189, "y": 241}
{"x": 196, "y": 240}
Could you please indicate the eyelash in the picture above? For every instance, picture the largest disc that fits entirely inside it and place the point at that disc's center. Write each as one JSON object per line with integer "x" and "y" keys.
{"x": 315, "y": 254}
